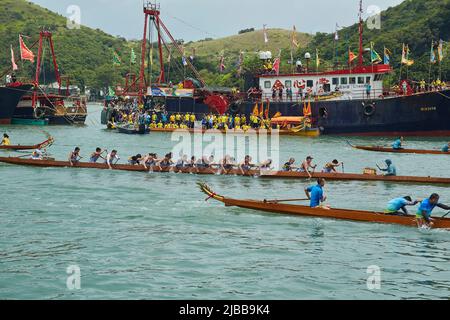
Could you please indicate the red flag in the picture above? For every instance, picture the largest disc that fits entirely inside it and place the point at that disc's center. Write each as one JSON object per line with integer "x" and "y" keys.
{"x": 13, "y": 60}
{"x": 351, "y": 57}
{"x": 276, "y": 66}
{"x": 25, "y": 53}
{"x": 266, "y": 113}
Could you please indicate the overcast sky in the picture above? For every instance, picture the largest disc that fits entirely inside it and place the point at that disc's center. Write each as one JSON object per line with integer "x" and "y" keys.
{"x": 198, "y": 19}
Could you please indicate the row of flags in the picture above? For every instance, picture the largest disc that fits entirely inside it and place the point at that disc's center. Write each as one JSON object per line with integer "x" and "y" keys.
{"x": 25, "y": 54}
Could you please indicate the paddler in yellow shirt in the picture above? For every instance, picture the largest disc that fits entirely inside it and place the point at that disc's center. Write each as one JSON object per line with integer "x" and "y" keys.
{"x": 5, "y": 140}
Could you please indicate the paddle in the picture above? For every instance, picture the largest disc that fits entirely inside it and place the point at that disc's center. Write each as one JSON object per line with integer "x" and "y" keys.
{"x": 286, "y": 200}
{"x": 446, "y": 214}
{"x": 343, "y": 170}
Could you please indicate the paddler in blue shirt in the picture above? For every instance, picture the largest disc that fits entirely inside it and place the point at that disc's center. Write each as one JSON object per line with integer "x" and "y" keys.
{"x": 315, "y": 193}
{"x": 423, "y": 215}
{"x": 446, "y": 147}
{"x": 397, "y": 144}
{"x": 395, "y": 205}
{"x": 390, "y": 169}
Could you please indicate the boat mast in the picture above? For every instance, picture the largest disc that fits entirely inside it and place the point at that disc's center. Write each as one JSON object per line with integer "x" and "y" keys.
{"x": 361, "y": 29}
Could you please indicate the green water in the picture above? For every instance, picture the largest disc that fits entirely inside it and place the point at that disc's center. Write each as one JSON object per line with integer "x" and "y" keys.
{"x": 152, "y": 236}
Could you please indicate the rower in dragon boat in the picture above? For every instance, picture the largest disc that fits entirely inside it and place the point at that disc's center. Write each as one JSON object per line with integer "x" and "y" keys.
{"x": 135, "y": 160}
{"x": 111, "y": 157}
{"x": 398, "y": 144}
{"x": 390, "y": 169}
{"x": 97, "y": 154}
{"x": 423, "y": 215}
{"x": 246, "y": 165}
{"x": 330, "y": 167}
{"x": 38, "y": 154}
{"x": 289, "y": 166}
{"x": 446, "y": 148}
{"x": 398, "y": 206}
{"x": 306, "y": 165}
{"x": 316, "y": 195}
{"x": 5, "y": 140}
{"x": 74, "y": 156}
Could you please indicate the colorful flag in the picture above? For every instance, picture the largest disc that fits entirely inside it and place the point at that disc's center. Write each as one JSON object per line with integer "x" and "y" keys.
{"x": 405, "y": 56}
{"x": 111, "y": 92}
{"x": 133, "y": 57}
{"x": 222, "y": 64}
{"x": 266, "y": 113}
{"x": 261, "y": 111}
{"x": 276, "y": 66}
{"x": 351, "y": 56}
{"x": 13, "y": 60}
{"x": 25, "y": 53}
{"x": 432, "y": 53}
{"x": 294, "y": 37}
{"x": 116, "y": 59}
{"x": 317, "y": 58}
{"x": 256, "y": 110}
{"x": 387, "y": 56}
{"x": 441, "y": 51}
{"x": 374, "y": 56}
{"x": 266, "y": 36}
{"x": 307, "y": 109}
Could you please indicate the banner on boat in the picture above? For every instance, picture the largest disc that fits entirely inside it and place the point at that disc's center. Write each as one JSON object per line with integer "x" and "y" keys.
{"x": 170, "y": 92}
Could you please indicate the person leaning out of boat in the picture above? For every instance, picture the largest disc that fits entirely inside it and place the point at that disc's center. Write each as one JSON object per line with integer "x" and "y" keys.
{"x": 315, "y": 194}
{"x": 246, "y": 165}
{"x": 111, "y": 157}
{"x": 5, "y": 140}
{"x": 399, "y": 204}
{"x": 446, "y": 148}
{"x": 97, "y": 155}
{"x": 266, "y": 165}
{"x": 330, "y": 167}
{"x": 423, "y": 215}
{"x": 390, "y": 168}
{"x": 397, "y": 144}
{"x": 150, "y": 160}
{"x": 135, "y": 160}
{"x": 306, "y": 165}
{"x": 37, "y": 154}
{"x": 74, "y": 156}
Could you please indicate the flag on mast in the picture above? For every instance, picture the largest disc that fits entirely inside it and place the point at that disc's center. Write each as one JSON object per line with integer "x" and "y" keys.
{"x": 276, "y": 66}
{"x": 317, "y": 58}
{"x": 25, "y": 53}
{"x": 441, "y": 50}
{"x": 116, "y": 59}
{"x": 374, "y": 56}
{"x": 351, "y": 56}
{"x": 336, "y": 34}
{"x": 13, "y": 60}
{"x": 405, "y": 56}
{"x": 432, "y": 53}
{"x": 387, "y": 56}
{"x": 266, "y": 36}
{"x": 294, "y": 37}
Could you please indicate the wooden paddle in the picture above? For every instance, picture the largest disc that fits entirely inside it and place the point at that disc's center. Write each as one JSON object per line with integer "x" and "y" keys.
{"x": 286, "y": 200}
{"x": 446, "y": 214}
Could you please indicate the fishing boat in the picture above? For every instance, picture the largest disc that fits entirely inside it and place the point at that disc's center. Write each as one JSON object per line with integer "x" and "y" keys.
{"x": 45, "y": 144}
{"x": 276, "y": 206}
{"x": 10, "y": 96}
{"x": 267, "y": 174}
{"x": 391, "y": 150}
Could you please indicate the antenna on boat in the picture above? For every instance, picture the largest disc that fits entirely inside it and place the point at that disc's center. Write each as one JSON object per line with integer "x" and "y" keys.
{"x": 361, "y": 29}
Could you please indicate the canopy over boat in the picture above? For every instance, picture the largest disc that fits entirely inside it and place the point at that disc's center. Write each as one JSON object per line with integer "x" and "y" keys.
{"x": 267, "y": 174}
{"x": 341, "y": 214}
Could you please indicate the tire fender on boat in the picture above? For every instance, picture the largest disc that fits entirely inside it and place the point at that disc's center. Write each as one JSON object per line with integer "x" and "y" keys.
{"x": 369, "y": 109}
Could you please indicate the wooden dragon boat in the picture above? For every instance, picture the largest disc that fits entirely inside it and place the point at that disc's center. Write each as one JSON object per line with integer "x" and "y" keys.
{"x": 391, "y": 150}
{"x": 267, "y": 174}
{"x": 340, "y": 214}
{"x": 45, "y": 144}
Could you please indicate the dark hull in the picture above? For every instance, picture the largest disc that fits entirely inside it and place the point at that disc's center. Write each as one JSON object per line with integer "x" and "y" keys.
{"x": 9, "y": 98}
{"x": 28, "y": 113}
{"x": 424, "y": 114}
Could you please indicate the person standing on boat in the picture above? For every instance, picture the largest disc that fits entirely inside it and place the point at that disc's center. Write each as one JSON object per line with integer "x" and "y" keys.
{"x": 397, "y": 144}
{"x": 5, "y": 140}
{"x": 315, "y": 194}
{"x": 368, "y": 90}
{"x": 74, "y": 156}
{"x": 446, "y": 147}
{"x": 111, "y": 157}
{"x": 395, "y": 205}
{"x": 97, "y": 155}
{"x": 390, "y": 169}
{"x": 423, "y": 215}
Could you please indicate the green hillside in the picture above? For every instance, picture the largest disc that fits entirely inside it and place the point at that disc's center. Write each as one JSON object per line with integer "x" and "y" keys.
{"x": 86, "y": 54}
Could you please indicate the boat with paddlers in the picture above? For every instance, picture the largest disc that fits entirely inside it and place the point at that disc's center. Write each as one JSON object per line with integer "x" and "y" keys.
{"x": 44, "y": 144}
{"x": 266, "y": 174}
{"x": 280, "y": 206}
{"x": 392, "y": 150}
